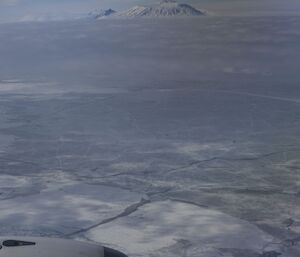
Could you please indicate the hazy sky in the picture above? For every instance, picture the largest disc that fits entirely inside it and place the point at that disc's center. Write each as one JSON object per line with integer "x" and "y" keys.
{"x": 12, "y": 9}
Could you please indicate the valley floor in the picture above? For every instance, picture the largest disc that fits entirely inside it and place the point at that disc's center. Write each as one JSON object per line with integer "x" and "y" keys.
{"x": 157, "y": 137}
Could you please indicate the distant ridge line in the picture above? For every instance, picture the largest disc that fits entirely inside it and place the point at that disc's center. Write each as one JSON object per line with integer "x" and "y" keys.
{"x": 166, "y": 8}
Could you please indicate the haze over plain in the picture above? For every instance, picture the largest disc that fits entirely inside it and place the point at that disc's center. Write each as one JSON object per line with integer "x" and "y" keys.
{"x": 159, "y": 137}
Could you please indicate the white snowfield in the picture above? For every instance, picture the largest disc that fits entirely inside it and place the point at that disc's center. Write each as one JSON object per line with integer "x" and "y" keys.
{"x": 181, "y": 228}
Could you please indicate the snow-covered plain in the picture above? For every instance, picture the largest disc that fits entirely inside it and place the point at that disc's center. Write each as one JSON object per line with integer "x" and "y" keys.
{"x": 158, "y": 137}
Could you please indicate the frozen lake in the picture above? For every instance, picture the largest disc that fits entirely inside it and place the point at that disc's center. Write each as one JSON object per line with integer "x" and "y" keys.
{"x": 166, "y": 137}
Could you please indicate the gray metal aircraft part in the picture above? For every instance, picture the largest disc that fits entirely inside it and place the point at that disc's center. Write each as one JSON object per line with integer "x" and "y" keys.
{"x": 50, "y": 247}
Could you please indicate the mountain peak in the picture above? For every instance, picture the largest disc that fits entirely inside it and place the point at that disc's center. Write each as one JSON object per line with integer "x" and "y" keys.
{"x": 101, "y": 13}
{"x": 166, "y": 8}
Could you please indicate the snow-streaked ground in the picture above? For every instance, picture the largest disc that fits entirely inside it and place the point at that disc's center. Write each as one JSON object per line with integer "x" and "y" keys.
{"x": 165, "y": 224}
{"x": 157, "y": 137}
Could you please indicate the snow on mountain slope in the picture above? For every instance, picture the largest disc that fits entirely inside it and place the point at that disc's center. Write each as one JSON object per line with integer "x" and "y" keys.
{"x": 166, "y": 8}
{"x": 101, "y": 13}
{"x": 135, "y": 11}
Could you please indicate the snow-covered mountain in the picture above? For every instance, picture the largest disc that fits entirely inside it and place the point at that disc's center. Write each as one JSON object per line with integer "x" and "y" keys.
{"x": 166, "y": 8}
{"x": 101, "y": 13}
